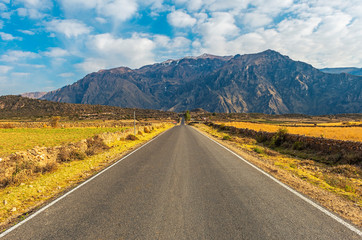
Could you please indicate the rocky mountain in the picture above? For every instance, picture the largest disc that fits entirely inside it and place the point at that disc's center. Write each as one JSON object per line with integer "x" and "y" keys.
{"x": 349, "y": 70}
{"x": 266, "y": 82}
{"x": 34, "y": 95}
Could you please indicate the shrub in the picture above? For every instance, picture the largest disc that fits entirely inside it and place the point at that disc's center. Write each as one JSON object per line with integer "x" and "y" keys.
{"x": 226, "y": 137}
{"x": 298, "y": 146}
{"x": 8, "y": 125}
{"x": 131, "y": 137}
{"x": 54, "y": 122}
{"x": 258, "y": 150}
{"x": 279, "y": 137}
{"x": 187, "y": 115}
{"x": 146, "y": 130}
{"x": 140, "y": 133}
{"x": 96, "y": 145}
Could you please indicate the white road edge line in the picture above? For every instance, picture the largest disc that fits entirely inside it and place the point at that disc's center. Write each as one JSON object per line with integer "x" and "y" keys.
{"x": 74, "y": 189}
{"x": 338, "y": 219}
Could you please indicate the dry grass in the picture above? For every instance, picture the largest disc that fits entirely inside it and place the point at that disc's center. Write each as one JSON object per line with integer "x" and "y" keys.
{"x": 16, "y": 200}
{"x": 19, "y": 139}
{"x": 342, "y": 182}
{"x": 339, "y": 133}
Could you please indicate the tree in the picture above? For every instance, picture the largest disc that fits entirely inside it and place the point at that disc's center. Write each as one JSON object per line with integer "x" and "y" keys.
{"x": 187, "y": 116}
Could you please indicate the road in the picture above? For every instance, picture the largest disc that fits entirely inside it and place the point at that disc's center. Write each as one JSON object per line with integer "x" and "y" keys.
{"x": 182, "y": 185}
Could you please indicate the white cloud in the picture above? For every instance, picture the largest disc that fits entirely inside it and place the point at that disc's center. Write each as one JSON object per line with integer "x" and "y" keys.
{"x": 101, "y": 20}
{"x": 13, "y": 56}
{"x": 107, "y": 51}
{"x": 8, "y": 37}
{"x": 66, "y": 75}
{"x": 118, "y": 10}
{"x": 255, "y": 19}
{"x": 20, "y": 74}
{"x": 6, "y": 15}
{"x": 27, "y": 32}
{"x": 180, "y": 19}
{"x": 33, "y": 8}
{"x": 216, "y": 31}
{"x": 3, "y": 7}
{"x": 4, "y": 69}
{"x": 69, "y": 27}
{"x": 38, "y": 4}
{"x": 56, "y": 52}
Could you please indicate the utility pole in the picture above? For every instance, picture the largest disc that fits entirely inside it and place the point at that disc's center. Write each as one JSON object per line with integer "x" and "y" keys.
{"x": 134, "y": 122}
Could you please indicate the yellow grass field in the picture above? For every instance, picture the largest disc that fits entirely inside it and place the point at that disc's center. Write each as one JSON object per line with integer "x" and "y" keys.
{"x": 339, "y": 133}
{"x": 18, "y": 139}
{"x": 17, "y": 199}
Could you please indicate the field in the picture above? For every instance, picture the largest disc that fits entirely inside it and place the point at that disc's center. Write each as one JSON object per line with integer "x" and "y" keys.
{"x": 18, "y": 139}
{"x": 29, "y": 178}
{"x": 330, "y": 130}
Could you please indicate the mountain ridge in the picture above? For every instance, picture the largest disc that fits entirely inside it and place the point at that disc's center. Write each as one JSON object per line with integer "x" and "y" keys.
{"x": 266, "y": 82}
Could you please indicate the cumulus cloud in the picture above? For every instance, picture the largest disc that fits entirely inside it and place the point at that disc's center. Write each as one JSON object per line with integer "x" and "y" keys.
{"x": 27, "y": 32}
{"x": 107, "y": 51}
{"x": 8, "y": 37}
{"x": 4, "y": 69}
{"x": 13, "y": 56}
{"x": 255, "y": 19}
{"x": 118, "y": 10}
{"x": 20, "y": 74}
{"x": 69, "y": 27}
{"x": 167, "y": 48}
{"x": 3, "y": 7}
{"x": 217, "y": 31}
{"x": 66, "y": 75}
{"x": 56, "y": 52}
{"x": 33, "y": 8}
{"x": 180, "y": 19}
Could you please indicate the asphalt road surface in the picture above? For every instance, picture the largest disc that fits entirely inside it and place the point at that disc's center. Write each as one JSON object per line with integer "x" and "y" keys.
{"x": 182, "y": 185}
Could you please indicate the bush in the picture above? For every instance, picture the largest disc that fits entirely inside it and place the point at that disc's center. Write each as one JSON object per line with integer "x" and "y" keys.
{"x": 226, "y": 137}
{"x": 298, "y": 146}
{"x": 54, "y": 122}
{"x": 131, "y": 137}
{"x": 279, "y": 137}
{"x": 146, "y": 130}
{"x": 258, "y": 150}
{"x": 187, "y": 115}
{"x": 140, "y": 133}
{"x": 96, "y": 145}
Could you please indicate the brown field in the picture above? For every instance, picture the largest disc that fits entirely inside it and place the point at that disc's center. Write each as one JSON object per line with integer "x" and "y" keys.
{"x": 333, "y": 132}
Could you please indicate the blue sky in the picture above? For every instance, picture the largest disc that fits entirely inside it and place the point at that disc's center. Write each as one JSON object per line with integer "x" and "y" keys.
{"x": 47, "y": 44}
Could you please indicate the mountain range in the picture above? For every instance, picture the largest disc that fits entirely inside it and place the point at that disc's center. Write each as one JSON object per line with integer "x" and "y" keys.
{"x": 265, "y": 82}
{"x": 349, "y": 70}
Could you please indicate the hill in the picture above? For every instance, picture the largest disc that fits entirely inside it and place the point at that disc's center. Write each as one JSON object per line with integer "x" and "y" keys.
{"x": 13, "y": 107}
{"x": 266, "y": 82}
{"x": 350, "y": 70}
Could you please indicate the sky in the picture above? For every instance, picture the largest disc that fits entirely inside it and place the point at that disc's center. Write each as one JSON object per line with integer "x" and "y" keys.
{"x": 47, "y": 44}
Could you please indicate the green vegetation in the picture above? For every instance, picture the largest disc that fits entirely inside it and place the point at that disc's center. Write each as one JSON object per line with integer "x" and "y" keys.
{"x": 258, "y": 150}
{"x": 187, "y": 116}
{"x": 226, "y": 137}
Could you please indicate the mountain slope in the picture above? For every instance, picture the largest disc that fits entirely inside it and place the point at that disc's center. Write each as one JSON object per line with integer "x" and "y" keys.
{"x": 350, "y": 70}
{"x": 22, "y": 107}
{"x": 266, "y": 82}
